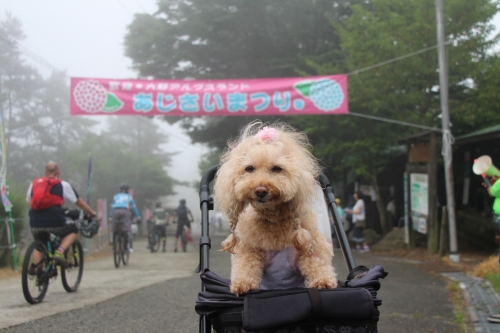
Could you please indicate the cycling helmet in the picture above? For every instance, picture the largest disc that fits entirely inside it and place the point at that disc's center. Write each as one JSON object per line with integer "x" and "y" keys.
{"x": 89, "y": 227}
{"x": 158, "y": 204}
{"x": 182, "y": 202}
{"x": 124, "y": 187}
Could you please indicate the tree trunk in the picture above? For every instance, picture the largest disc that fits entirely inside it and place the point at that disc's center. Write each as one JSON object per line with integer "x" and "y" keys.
{"x": 380, "y": 206}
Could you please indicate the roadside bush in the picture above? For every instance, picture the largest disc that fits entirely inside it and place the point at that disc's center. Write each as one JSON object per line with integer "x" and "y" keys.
{"x": 17, "y": 197}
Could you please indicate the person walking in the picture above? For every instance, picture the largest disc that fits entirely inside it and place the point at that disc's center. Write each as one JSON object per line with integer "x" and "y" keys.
{"x": 358, "y": 219}
{"x": 161, "y": 218}
{"x": 184, "y": 218}
{"x": 391, "y": 213}
{"x": 494, "y": 191}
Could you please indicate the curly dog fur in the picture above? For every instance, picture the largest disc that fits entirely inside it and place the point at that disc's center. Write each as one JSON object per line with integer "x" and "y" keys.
{"x": 266, "y": 186}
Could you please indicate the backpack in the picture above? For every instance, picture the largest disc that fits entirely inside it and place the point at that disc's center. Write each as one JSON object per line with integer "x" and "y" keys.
{"x": 160, "y": 216}
{"x": 41, "y": 198}
{"x": 182, "y": 213}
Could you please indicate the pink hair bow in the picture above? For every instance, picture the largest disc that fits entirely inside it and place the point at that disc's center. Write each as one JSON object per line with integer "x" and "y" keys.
{"x": 268, "y": 133}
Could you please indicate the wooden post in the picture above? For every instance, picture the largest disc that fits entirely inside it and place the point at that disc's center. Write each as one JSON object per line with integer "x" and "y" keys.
{"x": 432, "y": 223}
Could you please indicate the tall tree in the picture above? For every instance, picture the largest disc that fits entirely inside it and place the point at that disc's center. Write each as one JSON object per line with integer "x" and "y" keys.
{"x": 139, "y": 135}
{"x": 231, "y": 39}
{"x": 35, "y": 110}
{"x": 381, "y": 30}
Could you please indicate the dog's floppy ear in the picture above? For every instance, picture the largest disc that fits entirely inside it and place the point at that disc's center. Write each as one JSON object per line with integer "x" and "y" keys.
{"x": 225, "y": 199}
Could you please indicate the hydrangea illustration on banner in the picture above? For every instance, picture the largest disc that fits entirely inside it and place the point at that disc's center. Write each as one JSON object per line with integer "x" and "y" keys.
{"x": 92, "y": 97}
{"x": 326, "y": 94}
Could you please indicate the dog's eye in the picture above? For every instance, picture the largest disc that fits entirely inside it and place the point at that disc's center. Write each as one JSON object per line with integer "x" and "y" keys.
{"x": 249, "y": 168}
{"x": 276, "y": 169}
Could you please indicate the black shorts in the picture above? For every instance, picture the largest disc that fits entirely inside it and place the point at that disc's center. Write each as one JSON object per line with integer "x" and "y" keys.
{"x": 162, "y": 229}
{"x": 43, "y": 233}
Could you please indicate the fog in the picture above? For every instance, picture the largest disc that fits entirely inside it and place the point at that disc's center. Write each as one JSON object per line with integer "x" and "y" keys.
{"x": 85, "y": 39}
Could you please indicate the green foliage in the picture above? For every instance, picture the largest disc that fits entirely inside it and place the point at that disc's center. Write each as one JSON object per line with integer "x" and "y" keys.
{"x": 113, "y": 165}
{"x": 479, "y": 108}
{"x": 409, "y": 89}
{"x": 17, "y": 196}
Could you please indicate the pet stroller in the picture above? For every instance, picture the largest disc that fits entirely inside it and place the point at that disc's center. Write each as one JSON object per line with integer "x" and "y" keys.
{"x": 351, "y": 307}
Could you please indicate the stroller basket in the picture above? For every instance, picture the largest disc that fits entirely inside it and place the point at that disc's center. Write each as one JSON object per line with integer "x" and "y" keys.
{"x": 351, "y": 307}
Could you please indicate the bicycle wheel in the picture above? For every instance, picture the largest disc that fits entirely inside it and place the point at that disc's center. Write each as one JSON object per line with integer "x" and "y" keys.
{"x": 156, "y": 240}
{"x": 71, "y": 275}
{"x": 35, "y": 279}
{"x": 183, "y": 240}
{"x": 125, "y": 253}
{"x": 117, "y": 249}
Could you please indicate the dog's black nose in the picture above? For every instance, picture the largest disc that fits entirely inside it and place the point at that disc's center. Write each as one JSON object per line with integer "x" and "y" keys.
{"x": 261, "y": 191}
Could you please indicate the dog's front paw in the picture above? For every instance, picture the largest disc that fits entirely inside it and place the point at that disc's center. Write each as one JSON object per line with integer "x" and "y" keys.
{"x": 325, "y": 282}
{"x": 241, "y": 287}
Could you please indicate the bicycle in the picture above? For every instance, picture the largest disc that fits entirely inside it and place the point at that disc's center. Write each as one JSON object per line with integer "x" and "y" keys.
{"x": 121, "y": 253}
{"x": 154, "y": 238}
{"x": 185, "y": 238}
{"x": 39, "y": 267}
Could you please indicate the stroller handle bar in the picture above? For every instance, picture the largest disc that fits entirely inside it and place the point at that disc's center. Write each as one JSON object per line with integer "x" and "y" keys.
{"x": 337, "y": 224}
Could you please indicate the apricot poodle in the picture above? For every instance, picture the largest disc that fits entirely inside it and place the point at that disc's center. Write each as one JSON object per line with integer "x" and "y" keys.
{"x": 266, "y": 186}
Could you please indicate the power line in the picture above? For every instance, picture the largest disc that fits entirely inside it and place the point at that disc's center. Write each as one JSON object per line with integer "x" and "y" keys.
{"x": 140, "y": 5}
{"x": 380, "y": 64}
{"x": 124, "y": 8}
{"x": 32, "y": 54}
{"x": 357, "y": 71}
{"x": 388, "y": 120}
{"x": 38, "y": 124}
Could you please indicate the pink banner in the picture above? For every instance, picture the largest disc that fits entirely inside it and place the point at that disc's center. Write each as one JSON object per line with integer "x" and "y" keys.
{"x": 279, "y": 96}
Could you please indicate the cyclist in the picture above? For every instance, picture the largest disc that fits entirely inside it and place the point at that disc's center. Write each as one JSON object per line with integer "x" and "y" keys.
{"x": 181, "y": 215}
{"x": 161, "y": 218}
{"x": 46, "y": 196}
{"x": 121, "y": 208}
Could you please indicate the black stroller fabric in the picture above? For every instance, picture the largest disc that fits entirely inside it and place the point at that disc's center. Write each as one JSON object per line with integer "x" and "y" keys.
{"x": 355, "y": 300}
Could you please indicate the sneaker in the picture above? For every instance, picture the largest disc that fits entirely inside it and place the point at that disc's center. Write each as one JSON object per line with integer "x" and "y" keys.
{"x": 38, "y": 281}
{"x": 494, "y": 318}
{"x": 59, "y": 257}
{"x": 32, "y": 269}
{"x": 130, "y": 250}
{"x": 365, "y": 249}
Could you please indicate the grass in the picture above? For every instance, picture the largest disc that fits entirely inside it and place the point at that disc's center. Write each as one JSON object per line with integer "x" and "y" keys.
{"x": 459, "y": 305}
{"x": 490, "y": 271}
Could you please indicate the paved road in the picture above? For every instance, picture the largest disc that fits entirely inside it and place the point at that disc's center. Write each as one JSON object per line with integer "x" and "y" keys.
{"x": 413, "y": 300}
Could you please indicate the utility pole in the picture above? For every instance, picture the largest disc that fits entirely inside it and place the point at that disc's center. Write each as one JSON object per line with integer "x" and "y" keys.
{"x": 447, "y": 137}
